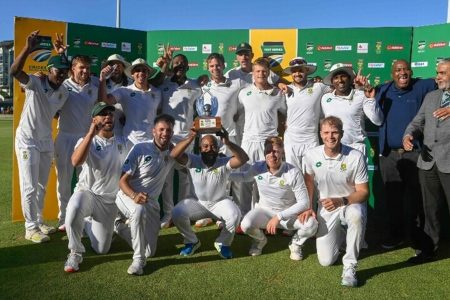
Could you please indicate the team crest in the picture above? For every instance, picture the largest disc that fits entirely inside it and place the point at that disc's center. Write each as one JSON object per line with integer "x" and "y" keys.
{"x": 127, "y": 161}
{"x": 98, "y": 148}
{"x": 260, "y": 177}
{"x": 25, "y": 155}
{"x": 329, "y": 100}
{"x": 132, "y": 94}
{"x": 198, "y": 170}
{"x": 282, "y": 183}
{"x": 318, "y": 164}
{"x": 343, "y": 167}
{"x": 147, "y": 158}
{"x": 310, "y": 91}
{"x": 120, "y": 148}
{"x": 215, "y": 171}
{"x": 249, "y": 93}
{"x": 69, "y": 89}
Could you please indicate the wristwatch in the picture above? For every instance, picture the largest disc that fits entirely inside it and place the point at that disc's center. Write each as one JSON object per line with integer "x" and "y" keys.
{"x": 345, "y": 200}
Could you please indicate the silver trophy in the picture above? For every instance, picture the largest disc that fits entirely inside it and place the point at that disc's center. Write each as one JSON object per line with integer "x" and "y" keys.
{"x": 206, "y": 106}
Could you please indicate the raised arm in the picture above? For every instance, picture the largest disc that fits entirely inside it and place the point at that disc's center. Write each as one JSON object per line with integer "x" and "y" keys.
{"x": 17, "y": 67}
{"x": 102, "y": 91}
{"x": 81, "y": 152}
{"x": 178, "y": 152}
{"x": 239, "y": 156}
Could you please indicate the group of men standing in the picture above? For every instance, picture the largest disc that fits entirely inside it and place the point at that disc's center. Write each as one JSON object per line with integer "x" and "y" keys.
{"x": 129, "y": 136}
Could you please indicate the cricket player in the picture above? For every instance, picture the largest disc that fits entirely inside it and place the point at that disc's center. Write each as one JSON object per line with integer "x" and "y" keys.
{"x": 140, "y": 101}
{"x": 100, "y": 155}
{"x": 340, "y": 174}
{"x": 178, "y": 94}
{"x": 44, "y": 96}
{"x": 143, "y": 175}
{"x": 262, "y": 105}
{"x": 303, "y": 111}
{"x": 351, "y": 105}
{"x": 73, "y": 123}
{"x": 209, "y": 174}
{"x": 282, "y": 197}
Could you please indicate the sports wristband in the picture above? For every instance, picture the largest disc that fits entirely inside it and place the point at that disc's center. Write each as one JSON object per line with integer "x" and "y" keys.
{"x": 345, "y": 200}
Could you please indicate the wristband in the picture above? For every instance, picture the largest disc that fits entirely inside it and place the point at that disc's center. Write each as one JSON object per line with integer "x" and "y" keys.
{"x": 345, "y": 200}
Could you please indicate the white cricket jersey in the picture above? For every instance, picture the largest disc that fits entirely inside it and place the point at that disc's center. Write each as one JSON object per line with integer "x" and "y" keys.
{"x": 261, "y": 109}
{"x": 336, "y": 177}
{"x": 283, "y": 192}
{"x": 111, "y": 85}
{"x": 41, "y": 104}
{"x": 75, "y": 116}
{"x": 101, "y": 171}
{"x": 210, "y": 183}
{"x": 140, "y": 109}
{"x": 303, "y": 113}
{"x": 178, "y": 102}
{"x": 148, "y": 167}
{"x": 227, "y": 98}
{"x": 248, "y": 77}
{"x": 351, "y": 110}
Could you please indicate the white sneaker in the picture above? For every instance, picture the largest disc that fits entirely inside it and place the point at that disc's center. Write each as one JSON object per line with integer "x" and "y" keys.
{"x": 349, "y": 276}
{"x": 203, "y": 222}
{"x": 296, "y": 252}
{"x": 137, "y": 267}
{"x": 72, "y": 262}
{"x": 257, "y": 247}
{"x": 36, "y": 236}
{"x": 62, "y": 228}
{"x": 47, "y": 229}
{"x": 219, "y": 224}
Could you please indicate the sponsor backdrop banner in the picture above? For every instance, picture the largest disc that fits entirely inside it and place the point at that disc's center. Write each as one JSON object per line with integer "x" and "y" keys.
{"x": 196, "y": 45}
{"x": 100, "y": 42}
{"x": 37, "y": 61}
{"x": 429, "y": 46}
{"x": 280, "y": 45}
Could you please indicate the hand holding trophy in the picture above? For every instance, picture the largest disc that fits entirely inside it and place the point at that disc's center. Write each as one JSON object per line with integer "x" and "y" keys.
{"x": 207, "y": 122}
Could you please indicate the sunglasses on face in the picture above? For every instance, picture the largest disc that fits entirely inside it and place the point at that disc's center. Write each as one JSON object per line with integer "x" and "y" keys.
{"x": 297, "y": 62}
{"x": 106, "y": 112}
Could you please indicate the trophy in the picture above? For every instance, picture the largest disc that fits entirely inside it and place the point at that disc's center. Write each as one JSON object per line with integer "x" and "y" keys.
{"x": 207, "y": 122}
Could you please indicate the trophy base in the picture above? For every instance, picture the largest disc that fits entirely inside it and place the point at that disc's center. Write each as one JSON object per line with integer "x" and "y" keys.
{"x": 205, "y": 124}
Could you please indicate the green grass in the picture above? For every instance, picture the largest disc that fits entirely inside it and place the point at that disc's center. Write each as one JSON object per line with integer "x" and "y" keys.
{"x": 31, "y": 271}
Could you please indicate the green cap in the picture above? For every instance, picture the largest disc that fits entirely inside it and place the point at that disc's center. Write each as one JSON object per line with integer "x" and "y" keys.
{"x": 243, "y": 47}
{"x": 99, "y": 106}
{"x": 58, "y": 62}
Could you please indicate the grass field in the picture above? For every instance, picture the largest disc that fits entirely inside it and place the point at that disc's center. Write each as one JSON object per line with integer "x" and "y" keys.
{"x": 31, "y": 271}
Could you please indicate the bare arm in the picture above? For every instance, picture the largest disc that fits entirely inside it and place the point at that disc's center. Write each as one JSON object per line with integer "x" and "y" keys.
{"x": 17, "y": 66}
{"x": 102, "y": 92}
{"x": 239, "y": 156}
{"x": 80, "y": 153}
{"x": 309, "y": 182}
{"x": 178, "y": 152}
{"x": 137, "y": 197}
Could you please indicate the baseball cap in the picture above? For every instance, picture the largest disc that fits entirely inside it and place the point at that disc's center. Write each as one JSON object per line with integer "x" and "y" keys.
{"x": 58, "y": 62}
{"x": 243, "y": 47}
{"x": 99, "y": 106}
{"x": 337, "y": 68}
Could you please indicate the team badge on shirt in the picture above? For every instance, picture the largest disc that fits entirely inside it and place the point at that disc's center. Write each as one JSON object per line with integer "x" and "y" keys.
{"x": 260, "y": 177}
{"x": 120, "y": 148}
{"x": 215, "y": 171}
{"x": 25, "y": 155}
{"x": 318, "y": 164}
{"x": 310, "y": 91}
{"x": 98, "y": 148}
{"x": 147, "y": 158}
{"x": 282, "y": 183}
{"x": 132, "y": 94}
{"x": 249, "y": 93}
{"x": 343, "y": 167}
{"x": 198, "y": 170}
{"x": 329, "y": 100}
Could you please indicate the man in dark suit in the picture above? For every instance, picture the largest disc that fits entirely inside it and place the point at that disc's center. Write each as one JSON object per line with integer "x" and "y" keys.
{"x": 432, "y": 121}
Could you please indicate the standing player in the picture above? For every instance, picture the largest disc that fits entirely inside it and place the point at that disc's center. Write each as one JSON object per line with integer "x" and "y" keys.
{"x": 209, "y": 174}
{"x": 33, "y": 142}
{"x": 73, "y": 123}
{"x": 101, "y": 155}
{"x": 340, "y": 174}
{"x": 350, "y": 105}
{"x": 178, "y": 94}
{"x": 140, "y": 101}
{"x": 143, "y": 175}
{"x": 303, "y": 111}
{"x": 261, "y": 103}
{"x": 282, "y": 197}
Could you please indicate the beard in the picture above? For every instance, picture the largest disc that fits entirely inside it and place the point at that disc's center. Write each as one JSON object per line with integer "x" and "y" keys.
{"x": 209, "y": 158}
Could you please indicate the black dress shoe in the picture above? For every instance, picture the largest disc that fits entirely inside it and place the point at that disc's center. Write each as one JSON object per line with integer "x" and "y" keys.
{"x": 421, "y": 258}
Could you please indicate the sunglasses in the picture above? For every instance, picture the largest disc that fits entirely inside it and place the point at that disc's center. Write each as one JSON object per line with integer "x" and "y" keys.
{"x": 297, "y": 61}
{"x": 106, "y": 112}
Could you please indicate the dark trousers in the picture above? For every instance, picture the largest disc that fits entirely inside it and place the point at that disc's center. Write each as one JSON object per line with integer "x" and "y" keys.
{"x": 403, "y": 201}
{"x": 435, "y": 190}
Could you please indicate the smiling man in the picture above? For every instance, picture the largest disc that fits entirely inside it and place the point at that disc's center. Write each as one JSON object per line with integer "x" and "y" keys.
{"x": 340, "y": 174}
{"x": 100, "y": 155}
{"x": 400, "y": 100}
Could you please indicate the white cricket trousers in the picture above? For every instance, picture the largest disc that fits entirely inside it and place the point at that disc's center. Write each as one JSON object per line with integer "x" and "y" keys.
{"x": 99, "y": 229}
{"x": 64, "y": 147}
{"x": 34, "y": 168}
{"x": 295, "y": 152}
{"x": 256, "y": 220}
{"x": 184, "y": 185}
{"x": 192, "y": 210}
{"x": 347, "y": 223}
{"x": 144, "y": 225}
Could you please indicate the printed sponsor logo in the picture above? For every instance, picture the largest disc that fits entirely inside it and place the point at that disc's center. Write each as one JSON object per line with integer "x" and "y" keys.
{"x": 324, "y": 48}
{"x": 421, "y": 45}
{"x": 193, "y": 64}
{"x": 419, "y": 64}
{"x": 269, "y": 48}
{"x": 232, "y": 49}
{"x": 91, "y": 43}
{"x": 360, "y": 64}
{"x": 126, "y": 47}
{"x": 76, "y": 42}
{"x": 190, "y": 48}
{"x": 375, "y": 65}
{"x": 377, "y": 80}
{"x": 394, "y": 47}
{"x": 362, "y": 48}
{"x": 309, "y": 48}
{"x": 437, "y": 45}
{"x": 109, "y": 45}
{"x": 94, "y": 60}
{"x": 41, "y": 55}
{"x": 175, "y": 48}
{"x": 343, "y": 48}
{"x": 327, "y": 64}
{"x": 207, "y": 48}
{"x": 378, "y": 47}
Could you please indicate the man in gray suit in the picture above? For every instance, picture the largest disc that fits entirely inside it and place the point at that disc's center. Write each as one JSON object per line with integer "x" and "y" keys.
{"x": 432, "y": 121}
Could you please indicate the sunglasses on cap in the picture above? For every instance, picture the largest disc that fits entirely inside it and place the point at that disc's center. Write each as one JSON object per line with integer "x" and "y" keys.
{"x": 297, "y": 61}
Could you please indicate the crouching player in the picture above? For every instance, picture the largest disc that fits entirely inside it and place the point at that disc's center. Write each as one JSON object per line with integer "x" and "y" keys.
{"x": 282, "y": 197}
{"x": 101, "y": 155}
{"x": 209, "y": 175}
